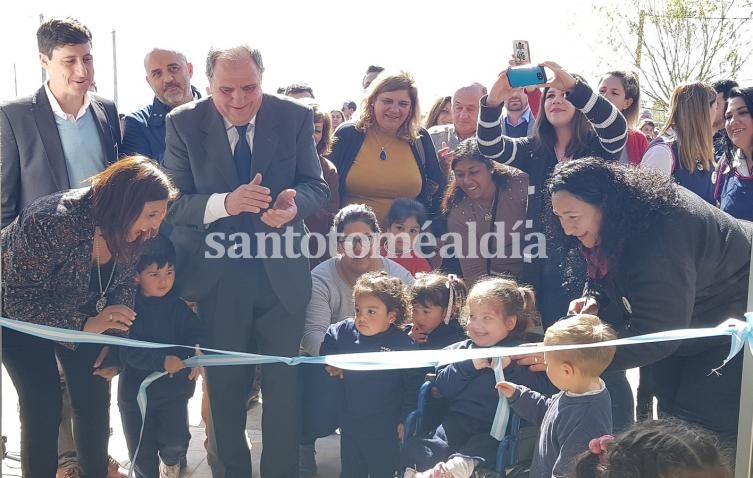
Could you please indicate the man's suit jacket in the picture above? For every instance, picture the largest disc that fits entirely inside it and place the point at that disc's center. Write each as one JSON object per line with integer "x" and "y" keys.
{"x": 199, "y": 160}
{"x": 31, "y": 153}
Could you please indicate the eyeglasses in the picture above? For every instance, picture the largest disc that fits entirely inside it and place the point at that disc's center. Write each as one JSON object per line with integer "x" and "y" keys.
{"x": 361, "y": 240}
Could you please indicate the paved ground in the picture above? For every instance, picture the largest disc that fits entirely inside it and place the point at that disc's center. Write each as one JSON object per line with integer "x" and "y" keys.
{"x": 328, "y": 449}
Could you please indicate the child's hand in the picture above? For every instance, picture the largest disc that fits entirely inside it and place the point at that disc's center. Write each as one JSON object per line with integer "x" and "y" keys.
{"x": 101, "y": 357}
{"x": 195, "y": 373}
{"x": 439, "y": 471}
{"x": 507, "y": 388}
{"x": 482, "y": 363}
{"x": 400, "y": 431}
{"x": 417, "y": 335}
{"x": 334, "y": 371}
{"x": 107, "y": 373}
{"x": 173, "y": 364}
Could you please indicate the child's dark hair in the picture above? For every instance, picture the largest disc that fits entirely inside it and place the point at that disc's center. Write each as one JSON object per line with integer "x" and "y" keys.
{"x": 433, "y": 289}
{"x": 404, "y": 208}
{"x": 390, "y": 290}
{"x": 159, "y": 251}
{"x": 515, "y": 299}
{"x": 631, "y": 85}
{"x": 658, "y": 449}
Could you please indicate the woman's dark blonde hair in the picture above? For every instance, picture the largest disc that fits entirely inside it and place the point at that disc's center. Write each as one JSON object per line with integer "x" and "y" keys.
{"x": 433, "y": 116}
{"x": 690, "y": 118}
{"x": 468, "y": 150}
{"x": 119, "y": 194}
{"x": 385, "y": 83}
{"x": 390, "y": 290}
{"x": 511, "y": 297}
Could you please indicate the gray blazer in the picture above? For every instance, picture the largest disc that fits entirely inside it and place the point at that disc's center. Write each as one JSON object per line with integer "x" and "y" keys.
{"x": 199, "y": 160}
{"x": 31, "y": 153}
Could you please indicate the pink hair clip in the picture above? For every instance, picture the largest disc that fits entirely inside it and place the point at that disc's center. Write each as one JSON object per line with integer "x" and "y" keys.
{"x": 599, "y": 446}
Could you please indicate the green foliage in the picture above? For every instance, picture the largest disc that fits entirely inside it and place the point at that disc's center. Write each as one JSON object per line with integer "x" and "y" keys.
{"x": 677, "y": 41}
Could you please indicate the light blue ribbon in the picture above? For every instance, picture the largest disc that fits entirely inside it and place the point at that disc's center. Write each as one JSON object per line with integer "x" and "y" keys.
{"x": 502, "y": 415}
{"x": 740, "y": 332}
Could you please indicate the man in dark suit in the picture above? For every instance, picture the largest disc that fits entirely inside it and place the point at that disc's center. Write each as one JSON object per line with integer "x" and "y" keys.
{"x": 62, "y": 134}
{"x": 246, "y": 162}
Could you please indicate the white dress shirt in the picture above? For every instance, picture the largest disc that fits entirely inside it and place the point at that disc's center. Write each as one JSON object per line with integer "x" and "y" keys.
{"x": 216, "y": 204}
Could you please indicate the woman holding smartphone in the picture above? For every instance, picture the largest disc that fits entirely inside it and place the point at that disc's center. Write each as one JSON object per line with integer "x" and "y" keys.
{"x": 573, "y": 122}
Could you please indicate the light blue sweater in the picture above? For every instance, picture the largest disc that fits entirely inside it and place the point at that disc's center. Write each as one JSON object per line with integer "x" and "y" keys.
{"x": 82, "y": 148}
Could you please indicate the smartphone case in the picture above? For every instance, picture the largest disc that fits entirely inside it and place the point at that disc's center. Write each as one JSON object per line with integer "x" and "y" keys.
{"x": 526, "y": 76}
{"x": 521, "y": 52}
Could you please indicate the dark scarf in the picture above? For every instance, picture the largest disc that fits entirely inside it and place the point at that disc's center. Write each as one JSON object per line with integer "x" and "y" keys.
{"x": 597, "y": 264}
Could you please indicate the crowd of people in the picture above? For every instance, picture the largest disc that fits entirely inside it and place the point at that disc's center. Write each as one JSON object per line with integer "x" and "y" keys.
{"x": 555, "y": 213}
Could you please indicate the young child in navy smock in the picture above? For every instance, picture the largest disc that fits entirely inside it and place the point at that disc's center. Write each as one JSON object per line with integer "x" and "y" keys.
{"x": 375, "y": 403}
{"x": 437, "y": 300}
{"x": 582, "y": 411}
{"x": 161, "y": 317}
{"x": 499, "y": 314}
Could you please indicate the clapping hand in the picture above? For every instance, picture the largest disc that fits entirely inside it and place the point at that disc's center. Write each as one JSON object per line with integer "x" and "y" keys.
{"x": 283, "y": 211}
{"x": 251, "y": 197}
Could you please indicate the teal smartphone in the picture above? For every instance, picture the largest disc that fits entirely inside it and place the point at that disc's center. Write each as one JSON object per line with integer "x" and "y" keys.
{"x": 528, "y": 75}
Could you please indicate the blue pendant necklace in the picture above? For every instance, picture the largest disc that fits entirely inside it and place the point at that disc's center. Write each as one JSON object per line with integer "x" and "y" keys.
{"x": 383, "y": 147}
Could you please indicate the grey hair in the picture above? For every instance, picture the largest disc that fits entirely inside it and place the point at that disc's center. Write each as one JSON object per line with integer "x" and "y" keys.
{"x": 235, "y": 53}
{"x": 475, "y": 84}
{"x": 168, "y": 50}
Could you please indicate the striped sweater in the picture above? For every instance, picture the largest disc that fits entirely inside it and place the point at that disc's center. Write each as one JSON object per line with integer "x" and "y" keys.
{"x": 530, "y": 155}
